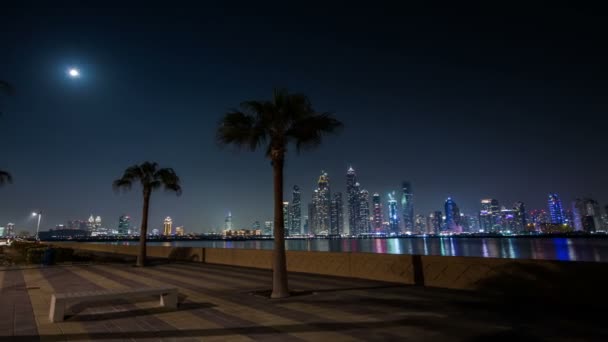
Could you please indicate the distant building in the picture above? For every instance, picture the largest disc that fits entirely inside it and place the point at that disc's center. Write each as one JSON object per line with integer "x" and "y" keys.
{"x": 228, "y": 222}
{"x": 407, "y": 205}
{"x": 256, "y": 225}
{"x": 520, "y": 217}
{"x": 489, "y": 215}
{"x": 62, "y": 234}
{"x": 556, "y": 210}
{"x": 10, "y": 230}
{"x": 364, "y": 213}
{"x": 393, "y": 217}
{"x": 420, "y": 224}
{"x": 587, "y": 215}
{"x": 286, "y": 218}
{"x": 435, "y": 222}
{"x": 337, "y": 216}
{"x": 268, "y": 228}
{"x": 179, "y": 231}
{"x": 167, "y": 226}
{"x": 124, "y": 225}
{"x": 377, "y": 213}
{"x": 155, "y": 232}
{"x": 452, "y": 216}
{"x": 296, "y": 212}
{"x": 322, "y": 203}
{"x": 352, "y": 201}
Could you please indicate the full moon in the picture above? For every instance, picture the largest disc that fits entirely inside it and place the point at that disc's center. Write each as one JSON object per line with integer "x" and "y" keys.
{"x": 73, "y": 72}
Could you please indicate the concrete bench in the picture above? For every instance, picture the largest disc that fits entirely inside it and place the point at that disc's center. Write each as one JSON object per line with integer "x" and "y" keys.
{"x": 60, "y": 302}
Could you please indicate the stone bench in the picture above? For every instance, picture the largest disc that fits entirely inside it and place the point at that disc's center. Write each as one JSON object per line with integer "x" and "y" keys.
{"x": 60, "y": 302}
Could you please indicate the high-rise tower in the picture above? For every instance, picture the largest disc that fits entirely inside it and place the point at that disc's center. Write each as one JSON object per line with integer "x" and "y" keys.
{"x": 167, "y": 224}
{"x": 124, "y": 225}
{"x": 555, "y": 209}
{"x": 322, "y": 202}
{"x": 352, "y": 198}
{"x": 228, "y": 222}
{"x": 452, "y": 216}
{"x": 337, "y": 216}
{"x": 407, "y": 205}
{"x": 364, "y": 214}
{"x": 377, "y": 212}
{"x": 296, "y": 212}
{"x": 393, "y": 217}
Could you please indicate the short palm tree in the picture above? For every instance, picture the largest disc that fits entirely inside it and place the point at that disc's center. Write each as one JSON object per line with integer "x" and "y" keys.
{"x": 285, "y": 119}
{"x": 151, "y": 178}
{"x": 5, "y": 177}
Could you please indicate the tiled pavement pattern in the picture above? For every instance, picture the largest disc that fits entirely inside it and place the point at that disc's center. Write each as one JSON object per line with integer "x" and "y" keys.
{"x": 217, "y": 304}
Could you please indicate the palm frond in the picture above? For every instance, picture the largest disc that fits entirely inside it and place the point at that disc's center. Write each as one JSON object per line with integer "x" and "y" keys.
{"x": 241, "y": 129}
{"x": 308, "y": 132}
{"x": 5, "y": 178}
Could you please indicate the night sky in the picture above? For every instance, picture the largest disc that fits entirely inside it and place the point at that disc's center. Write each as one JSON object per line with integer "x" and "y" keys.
{"x": 483, "y": 102}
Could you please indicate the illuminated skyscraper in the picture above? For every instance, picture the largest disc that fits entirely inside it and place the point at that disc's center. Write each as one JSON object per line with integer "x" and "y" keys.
{"x": 91, "y": 223}
{"x": 10, "y": 230}
{"x": 377, "y": 209}
{"x": 364, "y": 213}
{"x": 587, "y": 215}
{"x": 352, "y": 197}
{"x": 124, "y": 225}
{"x": 167, "y": 225}
{"x": 256, "y": 225}
{"x": 435, "y": 222}
{"x": 268, "y": 228}
{"x": 452, "y": 216}
{"x": 296, "y": 212}
{"x": 322, "y": 203}
{"x": 489, "y": 215}
{"x": 228, "y": 222}
{"x": 310, "y": 227}
{"x": 179, "y": 231}
{"x": 420, "y": 226}
{"x": 555, "y": 209}
{"x": 407, "y": 205}
{"x": 337, "y": 216}
{"x": 393, "y": 217}
{"x": 520, "y": 217}
{"x": 286, "y": 218}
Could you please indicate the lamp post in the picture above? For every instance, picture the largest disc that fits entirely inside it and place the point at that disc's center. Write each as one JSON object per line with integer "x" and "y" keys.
{"x": 39, "y": 214}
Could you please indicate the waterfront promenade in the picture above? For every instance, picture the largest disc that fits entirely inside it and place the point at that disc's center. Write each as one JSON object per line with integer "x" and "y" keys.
{"x": 220, "y": 303}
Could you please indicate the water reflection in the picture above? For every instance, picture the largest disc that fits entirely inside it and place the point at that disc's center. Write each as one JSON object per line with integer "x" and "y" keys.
{"x": 576, "y": 249}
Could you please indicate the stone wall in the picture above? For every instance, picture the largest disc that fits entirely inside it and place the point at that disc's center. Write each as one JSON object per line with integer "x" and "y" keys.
{"x": 493, "y": 274}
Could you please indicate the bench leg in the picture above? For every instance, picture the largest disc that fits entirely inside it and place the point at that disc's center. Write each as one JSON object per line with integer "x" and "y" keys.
{"x": 169, "y": 300}
{"x": 57, "y": 311}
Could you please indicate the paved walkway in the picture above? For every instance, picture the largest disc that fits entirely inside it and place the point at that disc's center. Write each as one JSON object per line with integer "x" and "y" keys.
{"x": 217, "y": 304}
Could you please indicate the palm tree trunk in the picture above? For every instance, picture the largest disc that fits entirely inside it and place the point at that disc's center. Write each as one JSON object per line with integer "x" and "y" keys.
{"x": 279, "y": 262}
{"x": 143, "y": 232}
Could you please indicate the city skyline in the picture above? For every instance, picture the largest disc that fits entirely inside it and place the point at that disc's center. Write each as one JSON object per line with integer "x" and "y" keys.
{"x": 509, "y": 111}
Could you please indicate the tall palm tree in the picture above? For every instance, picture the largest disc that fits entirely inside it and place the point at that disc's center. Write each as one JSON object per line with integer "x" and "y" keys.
{"x": 285, "y": 119}
{"x": 5, "y": 177}
{"x": 151, "y": 178}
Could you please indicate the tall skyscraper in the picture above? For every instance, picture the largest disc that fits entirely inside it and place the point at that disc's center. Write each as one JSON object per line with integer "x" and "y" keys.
{"x": 256, "y": 225}
{"x": 322, "y": 203}
{"x": 228, "y": 222}
{"x": 296, "y": 212}
{"x": 286, "y": 218}
{"x": 489, "y": 215}
{"x": 364, "y": 213}
{"x": 124, "y": 224}
{"x": 377, "y": 209}
{"x": 353, "y": 202}
{"x": 587, "y": 215}
{"x": 167, "y": 225}
{"x": 310, "y": 226}
{"x": 452, "y": 216}
{"x": 10, "y": 230}
{"x": 407, "y": 205}
{"x": 420, "y": 224}
{"x": 393, "y": 217}
{"x": 556, "y": 210}
{"x": 337, "y": 216}
{"x": 91, "y": 223}
{"x": 520, "y": 217}
{"x": 435, "y": 222}
{"x": 268, "y": 228}
{"x": 179, "y": 231}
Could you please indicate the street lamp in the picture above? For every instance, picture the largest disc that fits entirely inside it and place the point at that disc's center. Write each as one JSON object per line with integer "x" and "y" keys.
{"x": 39, "y": 214}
